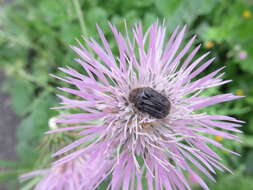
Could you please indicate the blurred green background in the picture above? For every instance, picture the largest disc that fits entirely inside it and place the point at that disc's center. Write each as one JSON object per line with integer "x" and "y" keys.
{"x": 34, "y": 40}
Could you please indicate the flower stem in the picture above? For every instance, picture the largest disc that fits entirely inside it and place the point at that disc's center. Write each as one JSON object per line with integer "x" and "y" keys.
{"x": 80, "y": 17}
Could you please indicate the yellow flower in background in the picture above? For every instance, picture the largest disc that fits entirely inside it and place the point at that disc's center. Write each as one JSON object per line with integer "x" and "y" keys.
{"x": 246, "y": 14}
{"x": 218, "y": 138}
{"x": 239, "y": 92}
{"x": 209, "y": 44}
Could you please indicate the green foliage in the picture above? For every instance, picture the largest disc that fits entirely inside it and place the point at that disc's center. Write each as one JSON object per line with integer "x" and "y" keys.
{"x": 21, "y": 95}
{"x": 33, "y": 126}
{"x": 34, "y": 39}
{"x": 234, "y": 182}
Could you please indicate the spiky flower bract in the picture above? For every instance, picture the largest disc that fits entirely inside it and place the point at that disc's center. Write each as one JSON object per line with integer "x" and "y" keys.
{"x": 82, "y": 173}
{"x": 148, "y": 99}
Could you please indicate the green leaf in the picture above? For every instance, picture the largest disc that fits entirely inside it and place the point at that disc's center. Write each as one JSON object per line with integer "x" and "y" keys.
{"x": 233, "y": 182}
{"x": 200, "y": 7}
{"x": 249, "y": 161}
{"x": 6, "y": 176}
{"x": 132, "y": 17}
{"x": 246, "y": 64}
{"x": 250, "y": 124}
{"x": 70, "y": 32}
{"x": 53, "y": 12}
{"x": 30, "y": 185}
{"x": 5, "y": 163}
{"x": 95, "y": 16}
{"x": 143, "y": 3}
{"x": 21, "y": 96}
{"x": 168, "y": 7}
{"x": 247, "y": 140}
{"x": 33, "y": 127}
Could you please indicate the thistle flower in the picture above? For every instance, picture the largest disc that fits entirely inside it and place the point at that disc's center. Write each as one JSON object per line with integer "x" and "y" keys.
{"x": 148, "y": 99}
{"x": 82, "y": 173}
{"x": 243, "y": 55}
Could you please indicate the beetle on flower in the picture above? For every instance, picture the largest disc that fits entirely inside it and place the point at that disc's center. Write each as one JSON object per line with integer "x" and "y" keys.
{"x": 148, "y": 99}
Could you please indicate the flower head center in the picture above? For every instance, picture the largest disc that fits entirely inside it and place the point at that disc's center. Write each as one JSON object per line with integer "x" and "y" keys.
{"x": 149, "y": 101}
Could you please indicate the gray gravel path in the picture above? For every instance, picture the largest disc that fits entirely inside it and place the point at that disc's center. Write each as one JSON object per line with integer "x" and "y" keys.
{"x": 8, "y": 124}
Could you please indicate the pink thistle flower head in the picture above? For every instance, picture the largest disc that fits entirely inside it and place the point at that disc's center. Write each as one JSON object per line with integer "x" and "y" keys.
{"x": 148, "y": 100}
{"x": 243, "y": 55}
{"x": 82, "y": 173}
